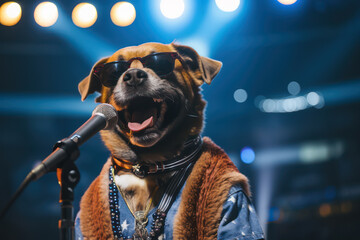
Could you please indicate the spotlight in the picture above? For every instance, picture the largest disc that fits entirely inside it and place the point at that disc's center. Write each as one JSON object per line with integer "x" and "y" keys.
{"x": 10, "y": 13}
{"x": 46, "y": 14}
{"x": 123, "y": 14}
{"x": 240, "y": 95}
{"x": 247, "y": 155}
{"x": 287, "y": 2}
{"x": 172, "y": 8}
{"x": 84, "y": 15}
{"x": 227, "y": 5}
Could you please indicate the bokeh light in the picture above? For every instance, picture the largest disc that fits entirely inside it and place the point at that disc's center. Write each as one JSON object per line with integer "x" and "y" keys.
{"x": 325, "y": 210}
{"x": 313, "y": 98}
{"x": 247, "y": 155}
{"x": 294, "y": 88}
{"x": 10, "y": 13}
{"x": 172, "y": 8}
{"x": 46, "y": 14}
{"x": 268, "y": 105}
{"x": 240, "y": 95}
{"x": 227, "y": 5}
{"x": 123, "y": 14}
{"x": 287, "y": 2}
{"x": 84, "y": 15}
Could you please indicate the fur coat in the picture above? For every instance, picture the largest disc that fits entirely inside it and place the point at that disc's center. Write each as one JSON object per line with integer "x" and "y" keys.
{"x": 199, "y": 213}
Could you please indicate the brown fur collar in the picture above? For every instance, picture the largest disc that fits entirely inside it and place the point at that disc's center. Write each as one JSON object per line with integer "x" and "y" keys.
{"x": 199, "y": 213}
{"x": 205, "y": 192}
{"x": 95, "y": 210}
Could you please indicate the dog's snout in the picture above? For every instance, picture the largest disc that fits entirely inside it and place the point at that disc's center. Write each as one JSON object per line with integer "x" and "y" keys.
{"x": 135, "y": 77}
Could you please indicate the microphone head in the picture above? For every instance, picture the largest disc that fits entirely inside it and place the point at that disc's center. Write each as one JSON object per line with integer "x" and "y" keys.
{"x": 109, "y": 113}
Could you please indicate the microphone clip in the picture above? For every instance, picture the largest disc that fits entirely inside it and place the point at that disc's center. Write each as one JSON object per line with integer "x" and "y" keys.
{"x": 70, "y": 147}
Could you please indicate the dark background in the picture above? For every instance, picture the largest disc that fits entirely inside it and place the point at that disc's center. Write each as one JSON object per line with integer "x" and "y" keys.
{"x": 305, "y": 177}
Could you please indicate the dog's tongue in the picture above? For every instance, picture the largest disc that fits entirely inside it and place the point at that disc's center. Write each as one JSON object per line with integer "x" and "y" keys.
{"x": 142, "y": 119}
{"x": 135, "y": 127}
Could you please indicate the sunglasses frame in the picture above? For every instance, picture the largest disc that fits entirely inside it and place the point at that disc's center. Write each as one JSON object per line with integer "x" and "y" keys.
{"x": 174, "y": 55}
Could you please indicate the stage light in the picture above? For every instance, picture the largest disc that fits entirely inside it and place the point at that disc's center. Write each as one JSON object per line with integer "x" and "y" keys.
{"x": 268, "y": 105}
{"x": 325, "y": 210}
{"x": 301, "y": 103}
{"x": 247, "y": 155}
{"x": 84, "y": 15}
{"x": 294, "y": 88}
{"x": 227, "y": 5}
{"x": 289, "y": 105}
{"x": 313, "y": 98}
{"x": 172, "y": 8}
{"x": 240, "y": 95}
{"x": 46, "y": 14}
{"x": 10, "y": 13}
{"x": 287, "y": 2}
{"x": 123, "y": 14}
{"x": 201, "y": 45}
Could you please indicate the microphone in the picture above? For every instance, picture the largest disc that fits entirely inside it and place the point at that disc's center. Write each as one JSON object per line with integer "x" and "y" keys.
{"x": 104, "y": 117}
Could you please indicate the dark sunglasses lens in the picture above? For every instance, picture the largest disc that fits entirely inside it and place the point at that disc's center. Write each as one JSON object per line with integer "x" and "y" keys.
{"x": 111, "y": 73}
{"x": 161, "y": 64}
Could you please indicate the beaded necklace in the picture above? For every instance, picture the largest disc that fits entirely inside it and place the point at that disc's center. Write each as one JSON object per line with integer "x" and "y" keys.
{"x": 114, "y": 206}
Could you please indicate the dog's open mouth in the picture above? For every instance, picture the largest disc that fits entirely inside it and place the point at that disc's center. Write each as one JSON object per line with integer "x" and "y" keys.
{"x": 145, "y": 117}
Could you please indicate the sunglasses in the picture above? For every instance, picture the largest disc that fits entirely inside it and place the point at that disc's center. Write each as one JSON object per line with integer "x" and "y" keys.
{"x": 161, "y": 63}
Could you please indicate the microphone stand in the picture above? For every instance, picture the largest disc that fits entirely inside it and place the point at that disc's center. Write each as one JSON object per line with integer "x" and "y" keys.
{"x": 68, "y": 177}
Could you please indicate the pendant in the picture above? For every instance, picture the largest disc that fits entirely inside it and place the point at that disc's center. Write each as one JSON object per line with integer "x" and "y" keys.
{"x": 138, "y": 171}
{"x": 140, "y": 226}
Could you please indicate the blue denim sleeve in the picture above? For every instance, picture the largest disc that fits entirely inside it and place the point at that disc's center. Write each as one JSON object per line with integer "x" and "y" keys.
{"x": 238, "y": 218}
{"x": 78, "y": 233}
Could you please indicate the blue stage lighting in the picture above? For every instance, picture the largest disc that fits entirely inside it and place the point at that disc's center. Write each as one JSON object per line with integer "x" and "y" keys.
{"x": 240, "y": 95}
{"x": 294, "y": 88}
{"x": 227, "y": 5}
{"x": 168, "y": 29}
{"x": 313, "y": 98}
{"x": 247, "y": 155}
{"x": 199, "y": 44}
{"x": 172, "y": 8}
{"x": 287, "y": 2}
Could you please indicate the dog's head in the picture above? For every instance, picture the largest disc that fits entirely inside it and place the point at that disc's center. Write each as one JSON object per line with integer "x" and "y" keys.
{"x": 156, "y": 90}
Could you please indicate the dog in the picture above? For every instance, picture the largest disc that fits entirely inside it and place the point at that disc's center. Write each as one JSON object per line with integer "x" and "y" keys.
{"x": 159, "y": 164}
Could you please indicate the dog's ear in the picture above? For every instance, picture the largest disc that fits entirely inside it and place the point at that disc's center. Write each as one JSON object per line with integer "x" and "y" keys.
{"x": 203, "y": 69}
{"x": 91, "y": 83}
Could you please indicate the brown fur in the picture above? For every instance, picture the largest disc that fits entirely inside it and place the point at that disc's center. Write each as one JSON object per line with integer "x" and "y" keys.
{"x": 138, "y": 195}
{"x": 205, "y": 192}
{"x": 95, "y": 209}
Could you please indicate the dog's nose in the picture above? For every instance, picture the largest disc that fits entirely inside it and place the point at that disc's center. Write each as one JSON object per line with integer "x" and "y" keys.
{"x": 135, "y": 77}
